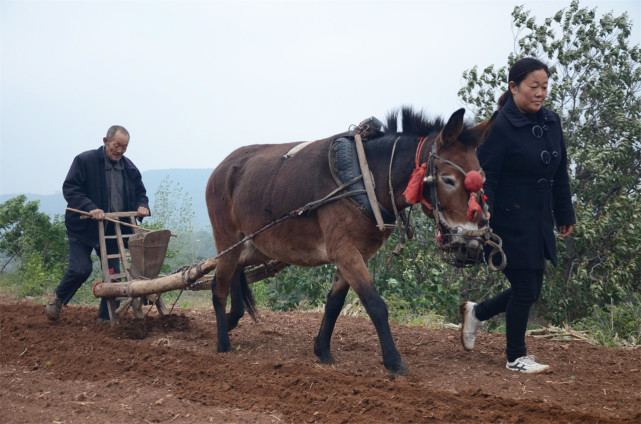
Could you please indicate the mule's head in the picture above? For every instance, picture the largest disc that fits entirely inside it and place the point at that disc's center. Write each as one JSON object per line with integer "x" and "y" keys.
{"x": 454, "y": 188}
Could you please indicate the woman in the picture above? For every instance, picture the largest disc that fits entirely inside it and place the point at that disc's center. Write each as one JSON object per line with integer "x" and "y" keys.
{"x": 528, "y": 191}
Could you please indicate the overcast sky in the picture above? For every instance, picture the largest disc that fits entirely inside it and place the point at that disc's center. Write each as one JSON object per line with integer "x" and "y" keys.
{"x": 194, "y": 80}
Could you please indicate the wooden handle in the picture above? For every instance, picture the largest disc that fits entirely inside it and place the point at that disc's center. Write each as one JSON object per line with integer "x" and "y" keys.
{"x": 115, "y": 220}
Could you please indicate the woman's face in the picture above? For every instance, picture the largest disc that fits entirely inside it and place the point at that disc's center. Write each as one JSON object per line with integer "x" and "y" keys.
{"x": 530, "y": 94}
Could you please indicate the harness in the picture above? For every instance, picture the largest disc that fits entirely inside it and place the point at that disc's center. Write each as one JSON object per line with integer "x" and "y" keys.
{"x": 344, "y": 167}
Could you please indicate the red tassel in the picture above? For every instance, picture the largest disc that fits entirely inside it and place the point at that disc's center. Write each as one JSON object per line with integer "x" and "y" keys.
{"x": 414, "y": 191}
{"x": 473, "y": 206}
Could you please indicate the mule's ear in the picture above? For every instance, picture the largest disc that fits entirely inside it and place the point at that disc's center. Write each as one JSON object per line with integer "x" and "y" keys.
{"x": 483, "y": 129}
{"x": 453, "y": 128}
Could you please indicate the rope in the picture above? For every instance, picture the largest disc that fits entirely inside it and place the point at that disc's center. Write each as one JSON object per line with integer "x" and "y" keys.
{"x": 402, "y": 219}
{"x": 176, "y": 301}
{"x": 389, "y": 180}
{"x": 417, "y": 157}
{"x": 497, "y": 248}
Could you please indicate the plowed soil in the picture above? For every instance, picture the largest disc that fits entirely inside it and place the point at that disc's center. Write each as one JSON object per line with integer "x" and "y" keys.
{"x": 166, "y": 369}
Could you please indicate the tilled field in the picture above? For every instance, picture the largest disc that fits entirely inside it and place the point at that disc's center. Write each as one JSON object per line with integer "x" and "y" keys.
{"x": 163, "y": 370}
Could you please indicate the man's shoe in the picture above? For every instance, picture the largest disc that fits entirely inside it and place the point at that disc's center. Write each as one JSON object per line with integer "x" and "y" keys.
{"x": 526, "y": 364}
{"x": 470, "y": 325}
{"x": 103, "y": 321}
{"x": 53, "y": 307}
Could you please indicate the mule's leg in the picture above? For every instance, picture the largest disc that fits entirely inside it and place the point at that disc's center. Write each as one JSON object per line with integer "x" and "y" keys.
{"x": 335, "y": 302}
{"x": 242, "y": 299}
{"x": 237, "y": 309}
{"x": 351, "y": 264}
{"x": 225, "y": 271}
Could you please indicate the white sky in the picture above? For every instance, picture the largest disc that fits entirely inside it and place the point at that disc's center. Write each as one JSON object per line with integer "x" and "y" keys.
{"x": 194, "y": 80}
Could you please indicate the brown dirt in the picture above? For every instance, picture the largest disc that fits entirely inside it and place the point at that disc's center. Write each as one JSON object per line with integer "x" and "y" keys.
{"x": 167, "y": 370}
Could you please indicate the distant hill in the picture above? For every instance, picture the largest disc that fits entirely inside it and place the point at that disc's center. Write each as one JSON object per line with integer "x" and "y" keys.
{"x": 192, "y": 181}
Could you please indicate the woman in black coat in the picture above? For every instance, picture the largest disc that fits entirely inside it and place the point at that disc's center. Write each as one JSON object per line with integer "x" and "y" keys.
{"x": 528, "y": 192}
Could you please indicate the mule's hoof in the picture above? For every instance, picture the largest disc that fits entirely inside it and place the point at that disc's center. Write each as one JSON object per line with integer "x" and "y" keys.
{"x": 399, "y": 369}
{"x": 325, "y": 358}
{"x": 324, "y": 355}
{"x": 224, "y": 348}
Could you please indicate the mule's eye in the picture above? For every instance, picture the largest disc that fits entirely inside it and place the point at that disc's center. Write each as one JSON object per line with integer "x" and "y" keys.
{"x": 449, "y": 181}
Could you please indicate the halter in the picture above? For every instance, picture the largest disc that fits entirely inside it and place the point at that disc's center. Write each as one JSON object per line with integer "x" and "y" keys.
{"x": 430, "y": 179}
{"x": 426, "y": 174}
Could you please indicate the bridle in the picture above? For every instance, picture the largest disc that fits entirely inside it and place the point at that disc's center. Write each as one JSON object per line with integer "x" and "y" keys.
{"x": 430, "y": 179}
{"x": 447, "y": 234}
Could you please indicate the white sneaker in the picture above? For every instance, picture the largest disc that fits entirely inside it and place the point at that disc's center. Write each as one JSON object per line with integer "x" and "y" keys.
{"x": 470, "y": 325}
{"x": 526, "y": 364}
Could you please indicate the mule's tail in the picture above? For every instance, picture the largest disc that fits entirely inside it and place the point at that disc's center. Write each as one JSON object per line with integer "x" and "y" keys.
{"x": 248, "y": 296}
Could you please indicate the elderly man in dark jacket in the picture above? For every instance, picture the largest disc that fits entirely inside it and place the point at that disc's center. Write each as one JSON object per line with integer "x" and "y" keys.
{"x": 99, "y": 181}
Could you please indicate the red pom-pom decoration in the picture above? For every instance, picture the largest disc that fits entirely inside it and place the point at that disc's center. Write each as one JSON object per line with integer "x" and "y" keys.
{"x": 473, "y": 181}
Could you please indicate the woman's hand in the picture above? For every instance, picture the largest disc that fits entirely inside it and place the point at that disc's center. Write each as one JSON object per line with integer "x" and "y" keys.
{"x": 566, "y": 230}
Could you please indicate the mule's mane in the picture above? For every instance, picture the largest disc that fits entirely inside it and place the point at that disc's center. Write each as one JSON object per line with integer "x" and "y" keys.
{"x": 413, "y": 123}
{"x": 418, "y": 124}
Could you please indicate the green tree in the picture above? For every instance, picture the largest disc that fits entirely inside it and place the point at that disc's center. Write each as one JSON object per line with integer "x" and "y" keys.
{"x": 172, "y": 209}
{"x": 419, "y": 281}
{"x": 33, "y": 242}
{"x": 595, "y": 88}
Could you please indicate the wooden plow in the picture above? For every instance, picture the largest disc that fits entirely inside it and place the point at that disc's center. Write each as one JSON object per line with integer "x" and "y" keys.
{"x": 141, "y": 260}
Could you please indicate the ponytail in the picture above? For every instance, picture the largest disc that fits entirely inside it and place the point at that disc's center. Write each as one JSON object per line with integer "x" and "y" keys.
{"x": 503, "y": 99}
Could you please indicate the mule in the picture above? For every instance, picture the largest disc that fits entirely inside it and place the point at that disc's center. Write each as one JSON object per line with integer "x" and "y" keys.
{"x": 258, "y": 184}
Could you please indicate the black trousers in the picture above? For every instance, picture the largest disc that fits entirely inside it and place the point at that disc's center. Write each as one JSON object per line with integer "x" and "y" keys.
{"x": 515, "y": 302}
{"x": 79, "y": 270}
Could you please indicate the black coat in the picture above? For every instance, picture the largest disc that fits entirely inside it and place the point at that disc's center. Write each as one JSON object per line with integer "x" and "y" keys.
{"x": 85, "y": 188}
{"x": 526, "y": 196}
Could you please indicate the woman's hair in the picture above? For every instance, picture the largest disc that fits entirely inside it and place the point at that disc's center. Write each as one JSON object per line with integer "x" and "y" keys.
{"x": 519, "y": 71}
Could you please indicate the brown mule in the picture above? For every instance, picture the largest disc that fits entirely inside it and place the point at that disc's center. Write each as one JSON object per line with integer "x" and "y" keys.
{"x": 256, "y": 185}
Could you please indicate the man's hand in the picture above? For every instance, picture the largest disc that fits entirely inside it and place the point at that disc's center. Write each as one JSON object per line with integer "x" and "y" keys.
{"x": 142, "y": 211}
{"x": 97, "y": 214}
{"x": 566, "y": 230}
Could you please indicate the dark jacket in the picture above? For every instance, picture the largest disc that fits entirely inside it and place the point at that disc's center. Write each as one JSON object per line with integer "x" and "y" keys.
{"x": 85, "y": 188}
{"x": 526, "y": 196}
